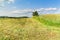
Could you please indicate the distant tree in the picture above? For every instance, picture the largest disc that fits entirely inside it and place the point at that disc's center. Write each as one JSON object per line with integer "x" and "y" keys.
{"x": 35, "y": 13}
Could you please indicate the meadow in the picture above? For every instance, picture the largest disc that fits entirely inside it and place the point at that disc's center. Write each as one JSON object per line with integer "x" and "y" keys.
{"x": 43, "y": 27}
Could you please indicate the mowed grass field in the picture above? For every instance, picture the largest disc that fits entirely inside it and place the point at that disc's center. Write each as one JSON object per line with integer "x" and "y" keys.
{"x": 43, "y": 27}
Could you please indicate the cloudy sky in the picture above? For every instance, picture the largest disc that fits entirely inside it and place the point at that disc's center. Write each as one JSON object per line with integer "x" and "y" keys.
{"x": 26, "y": 7}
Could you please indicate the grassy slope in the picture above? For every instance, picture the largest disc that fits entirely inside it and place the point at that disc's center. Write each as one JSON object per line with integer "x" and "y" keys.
{"x": 36, "y": 28}
{"x": 52, "y": 22}
{"x": 49, "y": 19}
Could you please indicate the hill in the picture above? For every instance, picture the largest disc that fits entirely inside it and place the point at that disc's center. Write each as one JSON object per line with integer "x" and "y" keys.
{"x": 44, "y": 27}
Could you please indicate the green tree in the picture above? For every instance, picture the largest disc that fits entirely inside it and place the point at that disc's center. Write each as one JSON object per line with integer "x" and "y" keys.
{"x": 35, "y": 13}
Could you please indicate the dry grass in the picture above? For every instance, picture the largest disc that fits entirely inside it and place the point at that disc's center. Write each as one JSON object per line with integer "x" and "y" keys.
{"x": 27, "y": 29}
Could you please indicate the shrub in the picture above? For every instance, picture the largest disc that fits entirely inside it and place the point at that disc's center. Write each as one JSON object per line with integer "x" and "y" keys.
{"x": 35, "y": 13}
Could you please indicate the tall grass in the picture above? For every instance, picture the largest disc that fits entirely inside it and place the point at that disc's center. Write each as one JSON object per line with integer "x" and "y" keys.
{"x": 30, "y": 28}
{"x": 22, "y": 29}
{"x": 50, "y": 20}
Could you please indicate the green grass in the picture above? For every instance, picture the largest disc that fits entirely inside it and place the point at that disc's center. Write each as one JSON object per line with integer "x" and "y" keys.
{"x": 44, "y": 27}
{"x": 50, "y": 20}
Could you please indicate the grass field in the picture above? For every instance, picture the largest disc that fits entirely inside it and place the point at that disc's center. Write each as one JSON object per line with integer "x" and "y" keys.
{"x": 44, "y": 27}
{"x": 49, "y": 19}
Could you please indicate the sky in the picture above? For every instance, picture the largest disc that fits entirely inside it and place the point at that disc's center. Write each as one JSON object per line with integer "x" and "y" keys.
{"x": 37, "y": 3}
{"x": 26, "y": 7}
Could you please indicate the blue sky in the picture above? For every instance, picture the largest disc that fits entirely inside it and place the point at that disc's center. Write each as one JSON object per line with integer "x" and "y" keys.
{"x": 23, "y": 4}
{"x": 19, "y": 7}
{"x": 37, "y": 3}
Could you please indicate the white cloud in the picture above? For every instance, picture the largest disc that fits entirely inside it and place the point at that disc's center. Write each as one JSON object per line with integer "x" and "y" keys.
{"x": 47, "y": 9}
{"x": 28, "y": 12}
{"x": 16, "y": 13}
{"x": 23, "y": 11}
{"x": 32, "y": 10}
{"x": 2, "y": 2}
{"x": 11, "y": 1}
